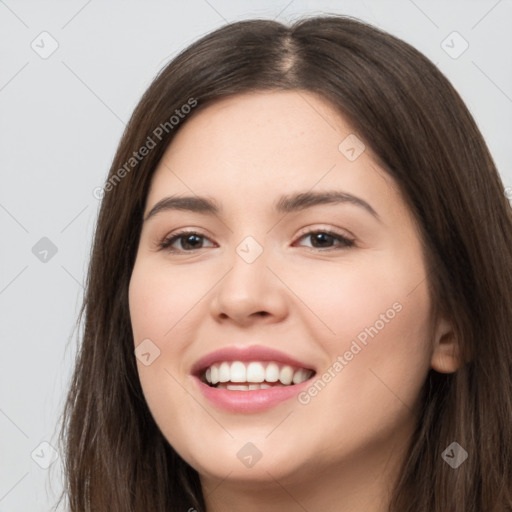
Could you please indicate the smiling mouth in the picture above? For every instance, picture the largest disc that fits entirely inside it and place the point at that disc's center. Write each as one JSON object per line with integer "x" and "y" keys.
{"x": 253, "y": 375}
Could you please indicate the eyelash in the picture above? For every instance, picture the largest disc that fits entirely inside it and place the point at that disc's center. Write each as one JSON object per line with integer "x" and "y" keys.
{"x": 166, "y": 243}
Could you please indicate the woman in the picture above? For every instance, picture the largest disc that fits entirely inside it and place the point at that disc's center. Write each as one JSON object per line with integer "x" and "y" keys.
{"x": 300, "y": 290}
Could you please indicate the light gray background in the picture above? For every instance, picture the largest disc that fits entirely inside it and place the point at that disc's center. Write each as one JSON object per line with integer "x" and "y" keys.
{"x": 60, "y": 122}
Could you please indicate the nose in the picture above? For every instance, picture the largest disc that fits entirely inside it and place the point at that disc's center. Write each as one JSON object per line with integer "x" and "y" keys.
{"x": 250, "y": 292}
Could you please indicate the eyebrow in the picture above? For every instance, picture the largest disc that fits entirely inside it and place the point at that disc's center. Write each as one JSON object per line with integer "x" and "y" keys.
{"x": 285, "y": 204}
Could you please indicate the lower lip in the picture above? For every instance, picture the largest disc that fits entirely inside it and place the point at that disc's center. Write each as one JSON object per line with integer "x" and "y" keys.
{"x": 249, "y": 401}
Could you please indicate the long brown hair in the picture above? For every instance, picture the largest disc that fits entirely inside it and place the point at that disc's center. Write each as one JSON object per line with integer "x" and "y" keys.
{"x": 423, "y": 135}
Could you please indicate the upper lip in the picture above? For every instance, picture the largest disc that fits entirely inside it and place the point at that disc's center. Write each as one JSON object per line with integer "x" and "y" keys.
{"x": 249, "y": 353}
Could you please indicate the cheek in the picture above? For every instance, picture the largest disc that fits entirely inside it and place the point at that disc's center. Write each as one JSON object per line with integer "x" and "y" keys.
{"x": 159, "y": 301}
{"x": 159, "y": 298}
{"x": 160, "y": 304}
{"x": 376, "y": 362}
{"x": 350, "y": 296}
{"x": 373, "y": 320}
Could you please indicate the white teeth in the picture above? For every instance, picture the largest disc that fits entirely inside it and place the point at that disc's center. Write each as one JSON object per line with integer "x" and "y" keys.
{"x": 253, "y": 375}
{"x": 244, "y": 387}
{"x": 214, "y": 374}
{"x": 286, "y": 375}
{"x": 238, "y": 372}
{"x": 300, "y": 376}
{"x": 224, "y": 372}
{"x": 255, "y": 372}
{"x": 272, "y": 372}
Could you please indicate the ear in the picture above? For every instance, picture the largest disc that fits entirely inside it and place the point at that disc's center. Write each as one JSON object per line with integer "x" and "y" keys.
{"x": 446, "y": 349}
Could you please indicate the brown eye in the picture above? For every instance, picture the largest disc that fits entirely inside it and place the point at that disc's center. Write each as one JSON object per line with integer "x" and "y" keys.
{"x": 324, "y": 239}
{"x": 187, "y": 240}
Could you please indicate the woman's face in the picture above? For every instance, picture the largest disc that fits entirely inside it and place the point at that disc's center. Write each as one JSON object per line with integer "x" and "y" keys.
{"x": 284, "y": 281}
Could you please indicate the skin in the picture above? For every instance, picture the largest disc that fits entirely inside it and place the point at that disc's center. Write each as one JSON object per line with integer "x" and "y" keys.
{"x": 342, "y": 450}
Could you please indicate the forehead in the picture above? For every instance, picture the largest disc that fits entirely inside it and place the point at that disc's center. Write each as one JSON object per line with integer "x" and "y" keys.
{"x": 264, "y": 125}
{"x": 258, "y": 145}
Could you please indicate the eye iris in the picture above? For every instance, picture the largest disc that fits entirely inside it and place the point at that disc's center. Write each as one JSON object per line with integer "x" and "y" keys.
{"x": 321, "y": 238}
{"x": 187, "y": 239}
